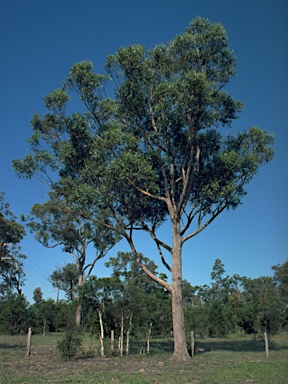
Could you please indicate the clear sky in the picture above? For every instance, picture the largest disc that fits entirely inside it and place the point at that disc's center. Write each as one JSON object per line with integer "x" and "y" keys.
{"x": 42, "y": 39}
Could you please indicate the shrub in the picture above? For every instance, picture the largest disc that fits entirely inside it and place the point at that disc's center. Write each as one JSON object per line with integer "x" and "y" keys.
{"x": 70, "y": 344}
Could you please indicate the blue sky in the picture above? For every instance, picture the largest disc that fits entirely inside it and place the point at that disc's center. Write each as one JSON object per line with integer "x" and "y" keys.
{"x": 41, "y": 40}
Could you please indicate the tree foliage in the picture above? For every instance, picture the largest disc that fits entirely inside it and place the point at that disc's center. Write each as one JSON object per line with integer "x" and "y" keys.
{"x": 14, "y": 316}
{"x": 11, "y": 266}
{"x": 66, "y": 279}
{"x": 54, "y": 223}
{"x": 130, "y": 301}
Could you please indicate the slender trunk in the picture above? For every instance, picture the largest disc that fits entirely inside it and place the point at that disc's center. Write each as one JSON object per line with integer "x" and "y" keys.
{"x": 266, "y": 344}
{"x": 121, "y": 334}
{"x": 148, "y": 339}
{"x": 78, "y": 314}
{"x": 71, "y": 291}
{"x": 101, "y": 334}
{"x": 127, "y": 342}
{"x": 44, "y": 325}
{"x": 28, "y": 342}
{"x": 180, "y": 345}
{"x": 79, "y": 306}
{"x": 112, "y": 340}
{"x": 192, "y": 344}
{"x": 128, "y": 334}
{"x": 119, "y": 344}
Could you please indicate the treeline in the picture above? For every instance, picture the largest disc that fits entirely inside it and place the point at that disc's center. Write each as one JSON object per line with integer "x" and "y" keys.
{"x": 130, "y": 304}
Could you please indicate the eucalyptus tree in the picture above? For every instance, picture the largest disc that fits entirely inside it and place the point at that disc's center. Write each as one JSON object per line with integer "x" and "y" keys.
{"x": 217, "y": 279}
{"x": 14, "y": 314}
{"x": 98, "y": 293}
{"x": 157, "y": 151}
{"x": 281, "y": 278}
{"x": 143, "y": 303}
{"x": 12, "y": 275}
{"x": 54, "y": 223}
{"x": 264, "y": 307}
{"x": 66, "y": 278}
{"x": 42, "y": 313}
{"x": 11, "y": 259}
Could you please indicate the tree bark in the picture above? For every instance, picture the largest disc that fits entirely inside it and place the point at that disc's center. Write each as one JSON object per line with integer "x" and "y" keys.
{"x": 127, "y": 342}
{"x": 266, "y": 344}
{"x": 112, "y": 340}
{"x": 121, "y": 334}
{"x": 101, "y": 334}
{"x": 44, "y": 326}
{"x": 78, "y": 314}
{"x": 128, "y": 334}
{"x": 79, "y": 306}
{"x": 148, "y": 339}
{"x": 192, "y": 344}
{"x": 28, "y": 342}
{"x": 180, "y": 345}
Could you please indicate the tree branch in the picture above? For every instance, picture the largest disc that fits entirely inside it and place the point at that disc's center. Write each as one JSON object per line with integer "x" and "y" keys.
{"x": 145, "y": 193}
{"x": 155, "y": 278}
{"x": 159, "y": 244}
{"x": 200, "y": 228}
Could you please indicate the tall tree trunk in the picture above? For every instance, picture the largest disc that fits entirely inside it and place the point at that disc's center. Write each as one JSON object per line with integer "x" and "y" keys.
{"x": 79, "y": 306}
{"x": 78, "y": 314}
{"x": 112, "y": 340}
{"x": 44, "y": 326}
{"x": 101, "y": 334}
{"x": 180, "y": 345}
{"x": 128, "y": 334}
{"x": 121, "y": 334}
{"x": 148, "y": 339}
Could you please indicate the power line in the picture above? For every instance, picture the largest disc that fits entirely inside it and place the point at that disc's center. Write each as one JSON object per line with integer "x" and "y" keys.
{"x": 42, "y": 270}
{"x": 38, "y": 278}
{"x": 35, "y": 272}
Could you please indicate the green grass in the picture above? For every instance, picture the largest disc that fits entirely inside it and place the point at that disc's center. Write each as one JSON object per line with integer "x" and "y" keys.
{"x": 229, "y": 360}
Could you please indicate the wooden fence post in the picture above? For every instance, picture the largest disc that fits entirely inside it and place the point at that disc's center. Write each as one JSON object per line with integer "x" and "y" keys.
{"x": 28, "y": 342}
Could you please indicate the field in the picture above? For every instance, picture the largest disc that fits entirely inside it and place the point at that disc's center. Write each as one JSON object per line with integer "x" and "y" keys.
{"x": 230, "y": 360}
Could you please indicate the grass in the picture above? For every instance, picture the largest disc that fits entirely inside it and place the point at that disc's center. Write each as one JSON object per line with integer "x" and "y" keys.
{"x": 229, "y": 360}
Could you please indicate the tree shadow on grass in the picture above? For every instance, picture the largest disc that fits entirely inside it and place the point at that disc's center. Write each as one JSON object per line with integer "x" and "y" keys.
{"x": 156, "y": 346}
{"x": 166, "y": 346}
{"x": 235, "y": 346}
{"x": 11, "y": 346}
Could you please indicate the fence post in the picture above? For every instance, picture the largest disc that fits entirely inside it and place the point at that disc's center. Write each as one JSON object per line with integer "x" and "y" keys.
{"x": 28, "y": 342}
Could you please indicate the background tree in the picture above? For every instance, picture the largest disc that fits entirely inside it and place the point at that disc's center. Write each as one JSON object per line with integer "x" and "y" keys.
{"x": 14, "y": 314}
{"x": 143, "y": 303}
{"x": 11, "y": 232}
{"x": 12, "y": 275}
{"x": 55, "y": 224}
{"x": 218, "y": 309}
{"x": 281, "y": 278}
{"x": 263, "y": 305}
{"x": 66, "y": 279}
{"x": 42, "y": 313}
{"x": 157, "y": 150}
{"x": 98, "y": 293}
{"x": 11, "y": 265}
{"x": 217, "y": 279}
